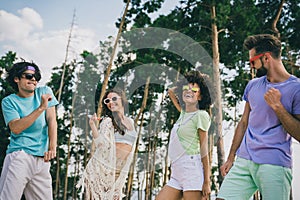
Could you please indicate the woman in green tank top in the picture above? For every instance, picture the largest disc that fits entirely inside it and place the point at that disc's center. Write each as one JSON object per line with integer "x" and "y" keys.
{"x": 188, "y": 147}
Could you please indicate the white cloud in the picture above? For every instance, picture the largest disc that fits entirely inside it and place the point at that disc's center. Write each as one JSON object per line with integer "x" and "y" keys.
{"x": 48, "y": 49}
{"x": 16, "y": 28}
{"x": 31, "y": 17}
{"x": 24, "y": 35}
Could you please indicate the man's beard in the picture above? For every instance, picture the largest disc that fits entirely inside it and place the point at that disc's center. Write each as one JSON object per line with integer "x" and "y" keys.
{"x": 261, "y": 71}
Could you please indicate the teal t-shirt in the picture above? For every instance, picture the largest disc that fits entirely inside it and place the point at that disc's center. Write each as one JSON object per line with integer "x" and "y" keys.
{"x": 189, "y": 123}
{"x": 34, "y": 139}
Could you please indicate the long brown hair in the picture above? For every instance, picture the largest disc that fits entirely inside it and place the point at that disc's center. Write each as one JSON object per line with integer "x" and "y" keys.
{"x": 114, "y": 117}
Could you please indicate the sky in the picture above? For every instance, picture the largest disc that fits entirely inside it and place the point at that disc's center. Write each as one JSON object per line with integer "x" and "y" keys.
{"x": 38, "y": 31}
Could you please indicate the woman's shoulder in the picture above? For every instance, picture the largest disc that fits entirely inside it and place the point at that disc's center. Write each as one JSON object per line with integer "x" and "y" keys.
{"x": 131, "y": 131}
{"x": 131, "y": 120}
{"x": 203, "y": 113}
{"x": 105, "y": 121}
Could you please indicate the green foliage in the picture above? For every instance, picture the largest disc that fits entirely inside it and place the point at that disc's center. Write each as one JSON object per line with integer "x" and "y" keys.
{"x": 5, "y": 89}
{"x": 235, "y": 21}
{"x": 83, "y": 79}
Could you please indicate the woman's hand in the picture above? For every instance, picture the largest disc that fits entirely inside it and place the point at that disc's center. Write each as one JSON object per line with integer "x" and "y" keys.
{"x": 93, "y": 121}
{"x": 206, "y": 190}
{"x": 173, "y": 97}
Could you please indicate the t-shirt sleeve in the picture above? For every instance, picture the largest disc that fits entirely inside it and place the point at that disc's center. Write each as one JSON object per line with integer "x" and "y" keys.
{"x": 9, "y": 111}
{"x": 204, "y": 121}
{"x": 53, "y": 102}
{"x": 296, "y": 103}
{"x": 246, "y": 91}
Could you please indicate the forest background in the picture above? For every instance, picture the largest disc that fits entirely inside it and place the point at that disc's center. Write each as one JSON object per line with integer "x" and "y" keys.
{"x": 160, "y": 40}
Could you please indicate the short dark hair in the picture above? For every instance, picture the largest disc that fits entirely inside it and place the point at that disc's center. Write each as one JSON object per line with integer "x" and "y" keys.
{"x": 264, "y": 43}
{"x": 18, "y": 69}
{"x": 202, "y": 80}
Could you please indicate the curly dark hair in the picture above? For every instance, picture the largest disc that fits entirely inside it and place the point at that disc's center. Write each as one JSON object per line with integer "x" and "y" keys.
{"x": 115, "y": 118}
{"x": 264, "y": 43}
{"x": 17, "y": 70}
{"x": 201, "y": 79}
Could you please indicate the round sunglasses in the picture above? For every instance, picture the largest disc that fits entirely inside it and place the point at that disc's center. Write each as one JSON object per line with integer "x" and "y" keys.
{"x": 107, "y": 100}
{"x": 29, "y": 76}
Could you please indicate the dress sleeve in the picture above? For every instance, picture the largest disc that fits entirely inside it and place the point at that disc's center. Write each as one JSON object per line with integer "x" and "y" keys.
{"x": 106, "y": 128}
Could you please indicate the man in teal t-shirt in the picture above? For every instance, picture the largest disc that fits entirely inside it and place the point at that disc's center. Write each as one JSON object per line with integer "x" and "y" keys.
{"x": 31, "y": 117}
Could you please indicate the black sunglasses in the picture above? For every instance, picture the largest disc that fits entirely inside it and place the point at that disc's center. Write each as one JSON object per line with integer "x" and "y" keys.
{"x": 107, "y": 100}
{"x": 30, "y": 76}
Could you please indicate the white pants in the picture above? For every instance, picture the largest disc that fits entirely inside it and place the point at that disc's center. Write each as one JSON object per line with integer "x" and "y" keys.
{"x": 24, "y": 173}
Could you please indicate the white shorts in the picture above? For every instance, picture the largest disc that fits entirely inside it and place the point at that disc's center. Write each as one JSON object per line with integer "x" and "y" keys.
{"x": 24, "y": 173}
{"x": 187, "y": 173}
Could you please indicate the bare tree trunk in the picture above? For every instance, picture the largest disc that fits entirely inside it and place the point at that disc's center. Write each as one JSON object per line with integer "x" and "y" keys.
{"x": 67, "y": 162}
{"x": 276, "y": 18}
{"x": 108, "y": 69}
{"x": 76, "y": 173}
{"x": 130, "y": 177}
{"x": 144, "y": 103}
{"x": 56, "y": 192}
{"x": 143, "y": 182}
{"x": 148, "y": 164}
{"x": 86, "y": 141}
{"x": 166, "y": 174}
{"x": 143, "y": 106}
{"x": 155, "y": 139}
{"x": 256, "y": 196}
{"x": 277, "y": 34}
{"x": 69, "y": 142}
{"x": 152, "y": 169}
{"x": 217, "y": 88}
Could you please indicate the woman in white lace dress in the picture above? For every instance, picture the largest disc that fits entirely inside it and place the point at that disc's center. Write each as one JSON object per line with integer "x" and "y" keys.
{"x": 107, "y": 170}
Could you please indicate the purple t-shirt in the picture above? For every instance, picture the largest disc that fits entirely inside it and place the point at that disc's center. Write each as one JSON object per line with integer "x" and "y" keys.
{"x": 265, "y": 140}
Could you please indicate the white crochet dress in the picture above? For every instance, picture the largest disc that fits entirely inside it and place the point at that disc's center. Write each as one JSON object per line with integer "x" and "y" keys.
{"x": 99, "y": 177}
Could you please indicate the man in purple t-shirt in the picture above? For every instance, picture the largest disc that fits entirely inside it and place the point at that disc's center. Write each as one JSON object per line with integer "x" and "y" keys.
{"x": 262, "y": 140}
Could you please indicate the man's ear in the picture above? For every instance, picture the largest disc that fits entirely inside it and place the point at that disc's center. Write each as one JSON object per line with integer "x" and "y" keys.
{"x": 268, "y": 56}
{"x": 16, "y": 79}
